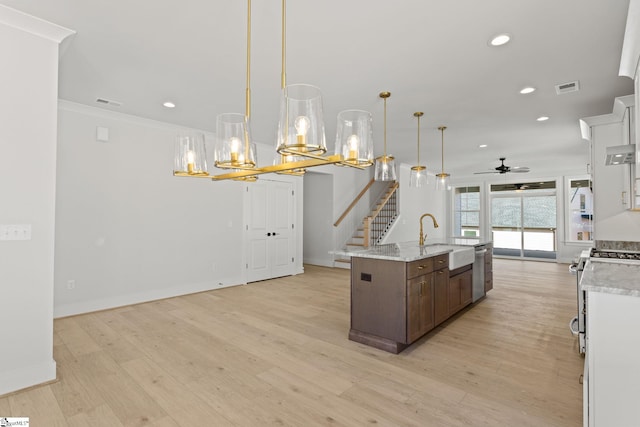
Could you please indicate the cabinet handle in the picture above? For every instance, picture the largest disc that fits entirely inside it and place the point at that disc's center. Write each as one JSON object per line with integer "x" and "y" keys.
{"x": 422, "y": 267}
{"x": 440, "y": 272}
{"x": 440, "y": 261}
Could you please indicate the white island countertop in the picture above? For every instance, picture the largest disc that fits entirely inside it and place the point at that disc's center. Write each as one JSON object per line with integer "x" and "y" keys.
{"x": 403, "y": 251}
{"x": 613, "y": 277}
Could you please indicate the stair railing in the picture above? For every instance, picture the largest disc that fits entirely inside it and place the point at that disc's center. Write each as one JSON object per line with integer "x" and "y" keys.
{"x": 351, "y": 219}
{"x": 378, "y": 223}
{"x": 354, "y": 203}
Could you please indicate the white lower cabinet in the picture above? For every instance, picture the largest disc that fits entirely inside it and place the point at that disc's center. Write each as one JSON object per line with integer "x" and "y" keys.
{"x": 612, "y": 363}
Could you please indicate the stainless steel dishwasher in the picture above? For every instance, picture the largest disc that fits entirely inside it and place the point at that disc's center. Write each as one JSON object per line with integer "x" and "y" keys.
{"x": 478, "y": 273}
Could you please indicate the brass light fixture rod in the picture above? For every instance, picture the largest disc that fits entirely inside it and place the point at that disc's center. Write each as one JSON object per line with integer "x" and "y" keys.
{"x": 247, "y": 113}
{"x": 283, "y": 76}
{"x": 385, "y": 95}
{"x": 418, "y": 167}
{"x": 442, "y": 174}
{"x": 243, "y": 174}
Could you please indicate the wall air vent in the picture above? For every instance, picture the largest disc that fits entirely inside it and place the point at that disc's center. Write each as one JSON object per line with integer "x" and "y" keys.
{"x": 567, "y": 87}
{"x": 108, "y": 102}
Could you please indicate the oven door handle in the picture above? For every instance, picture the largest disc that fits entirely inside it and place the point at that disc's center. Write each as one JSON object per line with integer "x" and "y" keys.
{"x": 573, "y": 268}
{"x": 573, "y": 326}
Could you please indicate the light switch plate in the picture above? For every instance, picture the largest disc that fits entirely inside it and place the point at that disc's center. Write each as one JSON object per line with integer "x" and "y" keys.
{"x": 15, "y": 232}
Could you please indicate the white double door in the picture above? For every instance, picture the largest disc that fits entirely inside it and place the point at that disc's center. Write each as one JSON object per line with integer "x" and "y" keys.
{"x": 270, "y": 230}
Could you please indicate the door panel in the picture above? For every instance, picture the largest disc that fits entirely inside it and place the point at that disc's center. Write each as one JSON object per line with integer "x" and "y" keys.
{"x": 270, "y": 230}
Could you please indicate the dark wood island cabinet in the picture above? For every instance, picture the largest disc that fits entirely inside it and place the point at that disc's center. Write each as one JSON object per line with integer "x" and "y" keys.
{"x": 394, "y": 303}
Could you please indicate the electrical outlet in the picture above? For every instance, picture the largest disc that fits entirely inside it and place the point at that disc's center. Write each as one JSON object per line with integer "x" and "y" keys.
{"x": 71, "y": 284}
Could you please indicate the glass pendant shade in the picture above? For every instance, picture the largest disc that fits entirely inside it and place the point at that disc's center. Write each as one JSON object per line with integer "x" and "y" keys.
{"x": 385, "y": 169}
{"x": 190, "y": 155}
{"x": 354, "y": 137}
{"x": 301, "y": 125}
{"x": 418, "y": 177}
{"x": 234, "y": 148}
{"x": 442, "y": 181}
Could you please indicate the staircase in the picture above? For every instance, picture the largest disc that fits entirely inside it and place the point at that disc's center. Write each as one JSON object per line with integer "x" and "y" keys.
{"x": 374, "y": 226}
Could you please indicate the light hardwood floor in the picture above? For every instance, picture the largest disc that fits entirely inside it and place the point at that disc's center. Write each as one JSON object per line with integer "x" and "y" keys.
{"x": 276, "y": 353}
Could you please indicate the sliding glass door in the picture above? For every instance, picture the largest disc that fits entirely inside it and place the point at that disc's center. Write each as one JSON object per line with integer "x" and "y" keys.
{"x": 523, "y": 220}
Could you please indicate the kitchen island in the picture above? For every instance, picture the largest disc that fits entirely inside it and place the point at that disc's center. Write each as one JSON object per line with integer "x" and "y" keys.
{"x": 401, "y": 291}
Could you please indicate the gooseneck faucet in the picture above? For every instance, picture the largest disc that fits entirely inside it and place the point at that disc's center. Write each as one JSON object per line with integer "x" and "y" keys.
{"x": 422, "y": 234}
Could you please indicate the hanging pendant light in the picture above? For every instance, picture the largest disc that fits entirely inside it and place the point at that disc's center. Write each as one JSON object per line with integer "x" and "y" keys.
{"x": 442, "y": 181}
{"x": 418, "y": 177}
{"x": 385, "y": 165}
{"x": 234, "y": 148}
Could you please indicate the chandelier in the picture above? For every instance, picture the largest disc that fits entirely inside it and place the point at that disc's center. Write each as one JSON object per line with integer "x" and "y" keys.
{"x": 300, "y": 142}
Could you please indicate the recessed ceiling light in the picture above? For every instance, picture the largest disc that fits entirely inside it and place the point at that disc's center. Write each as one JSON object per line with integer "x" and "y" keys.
{"x": 482, "y": 146}
{"x": 527, "y": 90}
{"x": 169, "y": 104}
{"x": 499, "y": 39}
{"x": 542, "y": 118}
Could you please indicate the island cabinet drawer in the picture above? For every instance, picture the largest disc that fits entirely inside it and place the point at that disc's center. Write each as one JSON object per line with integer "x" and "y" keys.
{"x": 426, "y": 265}
{"x": 419, "y": 267}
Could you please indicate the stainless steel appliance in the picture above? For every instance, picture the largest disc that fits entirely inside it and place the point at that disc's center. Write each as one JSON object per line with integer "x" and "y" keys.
{"x": 578, "y": 325}
{"x": 478, "y": 272}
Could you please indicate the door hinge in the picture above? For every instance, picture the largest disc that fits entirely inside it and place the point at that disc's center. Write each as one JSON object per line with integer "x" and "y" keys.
{"x": 247, "y": 227}
{"x": 247, "y": 266}
{"x": 293, "y": 193}
{"x": 291, "y": 259}
{"x": 292, "y": 226}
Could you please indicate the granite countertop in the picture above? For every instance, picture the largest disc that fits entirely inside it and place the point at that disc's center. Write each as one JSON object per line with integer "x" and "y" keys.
{"x": 614, "y": 277}
{"x": 403, "y": 251}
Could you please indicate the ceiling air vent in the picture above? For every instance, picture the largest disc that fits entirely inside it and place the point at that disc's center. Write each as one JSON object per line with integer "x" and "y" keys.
{"x": 108, "y": 102}
{"x": 568, "y": 87}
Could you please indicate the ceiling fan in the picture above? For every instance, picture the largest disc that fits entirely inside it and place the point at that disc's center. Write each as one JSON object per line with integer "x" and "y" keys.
{"x": 504, "y": 168}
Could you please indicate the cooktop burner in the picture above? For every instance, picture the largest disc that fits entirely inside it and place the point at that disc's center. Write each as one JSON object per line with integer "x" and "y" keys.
{"x": 633, "y": 256}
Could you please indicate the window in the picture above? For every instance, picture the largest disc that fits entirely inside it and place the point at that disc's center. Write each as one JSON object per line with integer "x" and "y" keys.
{"x": 466, "y": 212}
{"x": 580, "y": 201}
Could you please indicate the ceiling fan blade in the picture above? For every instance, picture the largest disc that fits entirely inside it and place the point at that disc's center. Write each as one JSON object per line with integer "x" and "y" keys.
{"x": 520, "y": 169}
{"x": 479, "y": 173}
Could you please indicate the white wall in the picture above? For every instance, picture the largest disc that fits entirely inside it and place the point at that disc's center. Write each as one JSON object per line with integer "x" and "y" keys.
{"x": 318, "y": 219}
{"x": 28, "y": 88}
{"x": 127, "y": 230}
{"x": 414, "y": 202}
